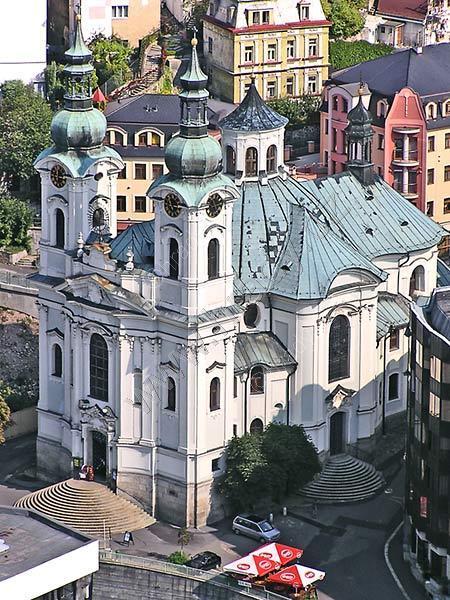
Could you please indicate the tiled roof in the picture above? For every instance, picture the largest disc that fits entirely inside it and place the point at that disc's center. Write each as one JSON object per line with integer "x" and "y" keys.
{"x": 253, "y": 114}
{"x": 408, "y": 9}
{"x": 425, "y": 72}
{"x": 262, "y": 348}
{"x": 393, "y": 310}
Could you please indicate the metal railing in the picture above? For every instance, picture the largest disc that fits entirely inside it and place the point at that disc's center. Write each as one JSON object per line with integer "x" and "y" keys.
{"x": 215, "y": 579}
{"x": 11, "y": 278}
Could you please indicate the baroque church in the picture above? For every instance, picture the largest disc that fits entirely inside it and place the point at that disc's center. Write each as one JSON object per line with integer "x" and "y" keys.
{"x": 251, "y": 297}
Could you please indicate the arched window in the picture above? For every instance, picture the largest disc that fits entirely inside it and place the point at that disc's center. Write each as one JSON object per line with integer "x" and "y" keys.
{"x": 431, "y": 110}
{"x": 118, "y": 138}
{"x": 214, "y": 394}
{"x": 257, "y": 381}
{"x": 156, "y": 139}
{"x": 271, "y": 163}
{"x": 417, "y": 281}
{"x": 98, "y": 368}
{"x": 98, "y": 217}
{"x": 251, "y": 162}
{"x": 60, "y": 228}
{"x": 231, "y": 160}
{"x": 339, "y": 349}
{"x": 251, "y": 315}
{"x": 213, "y": 259}
{"x": 256, "y": 426}
{"x": 171, "y": 394}
{"x": 174, "y": 259}
{"x": 57, "y": 361}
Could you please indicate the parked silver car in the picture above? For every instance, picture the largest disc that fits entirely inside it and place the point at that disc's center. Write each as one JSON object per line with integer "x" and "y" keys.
{"x": 255, "y": 527}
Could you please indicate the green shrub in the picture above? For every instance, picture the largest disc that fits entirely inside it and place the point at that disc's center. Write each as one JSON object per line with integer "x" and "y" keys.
{"x": 178, "y": 557}
{"x": 299, "y": 111}
{"x": 346, "y": 54}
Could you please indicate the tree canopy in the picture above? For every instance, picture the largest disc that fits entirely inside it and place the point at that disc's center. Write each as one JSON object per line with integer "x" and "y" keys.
{"x": 15, "y": 220}
{"x": 271, "y": 464}
{"x": 25, "y": 120}
{"x": 346, "y": 54}
{"x": 111, "y": 58}
{"x": 300, "y": 111}
{"x": 345, "y": 17}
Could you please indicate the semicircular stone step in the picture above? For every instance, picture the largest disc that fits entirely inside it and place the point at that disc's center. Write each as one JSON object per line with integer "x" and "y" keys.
{"x": 87, "y": 506}
{"x": 344, "y": 479}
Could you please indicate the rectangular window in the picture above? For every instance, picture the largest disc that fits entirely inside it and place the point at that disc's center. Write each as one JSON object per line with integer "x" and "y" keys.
{"x": 157, "y": 171}
{"x": 430, "y": 208}
{"x": 447, "y": 141}
{"x": 265, "y": 16}
{"x": 380, "y": 141}
{"x": 142, "y": 139}
{"x": 234, "y": 430}
{"x": 119, "y": 12}
{"x": 140, "y": 171}
{"x": 312, "y": 84}
{"x": 447, "y": 173}
{"x": 435, "y": 367}
{"x": 121, "y": 203}
{"x": 431, "y": 143}
{"x": 290, "y": 49}
{"x": 394, "y": 340}
{"x": 235, "y": 387}
{"x": 123, "y": 173}
{"x": 271, "y": 89}
{"x": 210, "y": 45}
{"x": 140, "y": 204}
{"x": 215, "y": 465}
{"x": 304, "y": 13}
{"x": 419, "y": 353}
{"x": 326, "y": 127}
{"x": 272, "y": 52}
{"x": 446, "y": 205}
{"x": 430, "y": 176}
{"x": 255, "y": 18}
{"x": 393, "y": 391}
{"x": 434, "y": 407}
{"x": 156, "y": 139}
{"x": 313, "y": 46}
{"x": 248, "y": 54}
{"x": 290, "y": 86}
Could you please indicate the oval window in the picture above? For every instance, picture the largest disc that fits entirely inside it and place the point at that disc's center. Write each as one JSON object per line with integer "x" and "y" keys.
{"x": 251, "y": 315}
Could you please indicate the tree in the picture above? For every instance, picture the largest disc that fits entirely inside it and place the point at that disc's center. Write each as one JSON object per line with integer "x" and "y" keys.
{"x": 184, "y": 537}
{"x": 5, "y": 413}
{"x": 111, "y": 58}
{"x": 292, "y": 458}
{"x": 16, "y": 218}
{"x": 25, "y": 120}
{"x": 345, "y": 54}
{"x": 345, "y": 17}
{"x": 299, "y": 111}
{"x": 245, "y": 480}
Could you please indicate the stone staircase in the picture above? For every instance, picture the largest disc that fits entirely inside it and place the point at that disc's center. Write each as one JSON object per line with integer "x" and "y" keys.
{"x": 87, "y": 506}
{"x": 344, "y": 479}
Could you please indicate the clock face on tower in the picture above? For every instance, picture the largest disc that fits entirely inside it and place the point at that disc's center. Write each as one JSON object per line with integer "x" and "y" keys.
{"x": 58, "y": 176}
{"x": 214, "y": 206}
{"x": 172, "y": 205}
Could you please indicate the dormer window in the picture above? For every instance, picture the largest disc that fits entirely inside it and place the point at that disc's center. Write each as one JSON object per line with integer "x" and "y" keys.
{"x": 431, "y": 110}
{"x": 303, "y": 12}
{"x": 381, "y": 109}
{"x": 446, "y": 109}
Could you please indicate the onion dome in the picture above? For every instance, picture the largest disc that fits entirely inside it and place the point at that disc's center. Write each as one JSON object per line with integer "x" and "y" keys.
{"x": 253, "y": 114}
{"x": 193, "y": 153}
{"x": 359, "y": 119}
{"x": 78, "y": 126}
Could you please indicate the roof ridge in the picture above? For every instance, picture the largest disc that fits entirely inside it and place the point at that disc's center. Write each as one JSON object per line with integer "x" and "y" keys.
{"x": 132, "y": 100}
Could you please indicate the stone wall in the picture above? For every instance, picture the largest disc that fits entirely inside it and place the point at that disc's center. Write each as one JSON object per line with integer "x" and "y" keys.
{"x": 53, "y": 461}
{"x": 22, "y": 422}
{"x": 22, "y": 302}
{"x": 300, "y": 136}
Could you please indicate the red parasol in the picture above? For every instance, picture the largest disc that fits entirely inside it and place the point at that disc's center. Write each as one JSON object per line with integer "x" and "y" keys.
{"x": 252, "y": 566}
{"x": 98, "y": 96}
{"x": 297, "y": 576}
{"x": 278, "y": 552}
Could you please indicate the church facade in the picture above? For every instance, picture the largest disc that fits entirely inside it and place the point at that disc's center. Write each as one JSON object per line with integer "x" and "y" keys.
{"x": 251, "y": 297}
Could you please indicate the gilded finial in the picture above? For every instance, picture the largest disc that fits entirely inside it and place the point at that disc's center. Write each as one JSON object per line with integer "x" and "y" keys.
{"x": 194, "y": 40}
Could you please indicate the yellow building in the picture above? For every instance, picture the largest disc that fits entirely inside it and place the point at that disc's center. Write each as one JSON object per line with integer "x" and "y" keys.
{"x": 134, "y": 19}
{"x": 282, "y": 43}
{"x": 139, "y": 129}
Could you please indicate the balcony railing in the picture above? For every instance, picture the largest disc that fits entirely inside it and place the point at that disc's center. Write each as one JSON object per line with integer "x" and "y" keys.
{"x": 399, "y": 156}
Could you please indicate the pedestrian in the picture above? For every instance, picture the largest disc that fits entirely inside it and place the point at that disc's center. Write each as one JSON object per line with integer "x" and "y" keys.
{"x": 127, "y": 538}
{"x": 90, "y": 473}
{"x": 114, "y": 481}
{"x": 83, "y": 472}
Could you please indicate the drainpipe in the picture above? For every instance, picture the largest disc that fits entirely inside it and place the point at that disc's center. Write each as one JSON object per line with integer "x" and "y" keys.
{"x": 270, "y": 313}
{"x": 288, "y": 406}
{"x": 246, "y": 401}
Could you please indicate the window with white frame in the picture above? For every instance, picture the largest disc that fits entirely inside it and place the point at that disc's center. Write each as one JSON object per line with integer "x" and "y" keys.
{"x": 248, "y": 54}
{"x": 312, "y": 84}
{"x": 271, "y": 89}
{"x": 435, "y": 367}
{"x": 434, "y": 406}
{"x": 290, "y": 48}
{"x": 419, "y": 353}
{"x": 119, "y": 12}
{"x": 303, "y": 11}
{"x": 272, "y": 52}
{"x": 431, "y": 110}
{"x": 313, "y": 46}
{"x": 290, "y": 86}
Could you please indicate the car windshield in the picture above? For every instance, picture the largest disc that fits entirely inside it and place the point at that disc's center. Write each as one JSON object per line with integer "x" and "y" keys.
{"x": 265, "y": 526}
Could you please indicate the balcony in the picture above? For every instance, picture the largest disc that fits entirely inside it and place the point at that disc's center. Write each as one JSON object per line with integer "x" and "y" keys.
{"x": 406, "y": 130}
{"x": 402, "y": 158}
{"x": 409, "y": 190}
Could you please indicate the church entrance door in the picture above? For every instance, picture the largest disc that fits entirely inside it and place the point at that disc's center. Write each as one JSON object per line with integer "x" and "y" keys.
{"x": 99, "y": 448}
{"x": 337, "y": 433}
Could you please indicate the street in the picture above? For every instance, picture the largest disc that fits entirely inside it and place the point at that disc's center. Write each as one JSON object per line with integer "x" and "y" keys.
{"x": 346, "y": 541}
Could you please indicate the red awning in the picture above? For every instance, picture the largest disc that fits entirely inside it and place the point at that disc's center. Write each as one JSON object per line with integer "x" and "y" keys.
{"x": 252, "y": 566}
{"x": 278, "y": 552}
{"x": 297, "y": 576}
{"x": 98, "y": 96}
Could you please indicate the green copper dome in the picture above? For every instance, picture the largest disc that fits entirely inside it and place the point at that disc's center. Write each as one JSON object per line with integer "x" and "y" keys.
{"x": 72, "y": 130}
{"x": 193, "y": 157}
